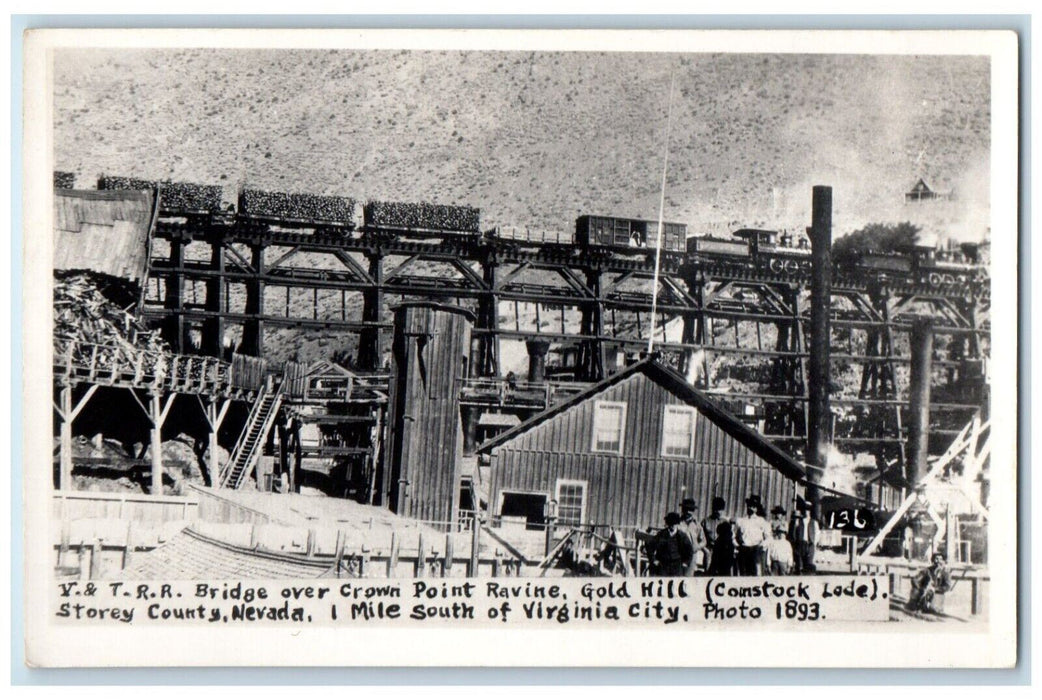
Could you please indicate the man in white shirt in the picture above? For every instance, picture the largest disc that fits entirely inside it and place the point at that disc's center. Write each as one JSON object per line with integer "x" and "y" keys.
{"x": 779, "y": 554}
{"x": 752, "y": 533}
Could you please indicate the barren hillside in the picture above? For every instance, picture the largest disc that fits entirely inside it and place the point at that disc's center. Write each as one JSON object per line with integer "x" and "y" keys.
{"x": 536, "y": 138}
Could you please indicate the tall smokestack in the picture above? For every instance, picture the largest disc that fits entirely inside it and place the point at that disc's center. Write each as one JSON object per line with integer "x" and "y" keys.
{"x": 819, "y": 413}
{"x": 919, "y": 399}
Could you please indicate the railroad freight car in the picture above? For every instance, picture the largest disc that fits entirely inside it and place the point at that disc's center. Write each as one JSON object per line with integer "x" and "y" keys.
{"x": 628, "y": 234}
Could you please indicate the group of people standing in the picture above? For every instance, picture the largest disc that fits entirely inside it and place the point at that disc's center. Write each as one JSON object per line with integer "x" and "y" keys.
{"x": 749, "y": 545}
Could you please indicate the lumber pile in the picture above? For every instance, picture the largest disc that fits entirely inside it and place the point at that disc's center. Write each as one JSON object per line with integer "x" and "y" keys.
{"x": 64, "y": 180}
{"x": 298, "y": 207}
{"x": 85, "y": 319}
{"x": 173, "y": 196}
{"x": 423, "y": 215}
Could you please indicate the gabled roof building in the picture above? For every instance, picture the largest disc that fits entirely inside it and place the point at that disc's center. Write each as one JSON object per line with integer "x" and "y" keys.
{"x": 628, "y": 450}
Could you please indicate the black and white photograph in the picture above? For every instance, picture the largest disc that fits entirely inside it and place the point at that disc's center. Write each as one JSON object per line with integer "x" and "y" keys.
{"x": 591, "y": 333}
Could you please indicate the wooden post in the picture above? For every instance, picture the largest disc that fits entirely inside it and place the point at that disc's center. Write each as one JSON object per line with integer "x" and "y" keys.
{"x": 156, "y": 444}
{"x": 126, "y": 548}
{"x": 81, "y": 554}
{"x": 363, "y": 562}
{"x": 95, "y": 559}
{"x": 63, "y": 547}
{"x": 65, "y": 432}
{"x": 339, "y": 551}
{"x": 214, "y": 419}
{"x": 976, "y": 599}
{"x": 446, "y": 563}
{"x": 475, "y": 546}
{"x": 310, "y": 547}
{"x": 298, "y": 456}
{"x": 392, "y": 560}
{"x": 420, "y": 558}
{"x": 951, "y": 524}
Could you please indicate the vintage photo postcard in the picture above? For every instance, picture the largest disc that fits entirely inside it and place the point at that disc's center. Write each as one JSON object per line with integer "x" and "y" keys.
{"x": 520, "y": 348}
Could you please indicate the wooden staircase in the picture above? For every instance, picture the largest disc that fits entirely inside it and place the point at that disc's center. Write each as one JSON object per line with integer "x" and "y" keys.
{"x": 251, "y": 442}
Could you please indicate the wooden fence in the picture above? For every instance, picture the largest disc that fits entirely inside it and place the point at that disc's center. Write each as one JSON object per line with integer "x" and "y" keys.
{"x": 77, "y": 505}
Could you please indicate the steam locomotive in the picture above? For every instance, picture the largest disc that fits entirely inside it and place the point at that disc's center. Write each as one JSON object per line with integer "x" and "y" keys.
{"x": 767, "y": 251}
{"x": 919, "y": 265}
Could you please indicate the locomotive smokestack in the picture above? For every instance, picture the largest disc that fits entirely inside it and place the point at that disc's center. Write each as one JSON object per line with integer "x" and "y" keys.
{"x": 919, "y": 398}
{"x": 819, "y": 413}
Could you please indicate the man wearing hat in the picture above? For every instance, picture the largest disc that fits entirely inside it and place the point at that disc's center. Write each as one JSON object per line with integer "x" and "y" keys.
{"x": 752, "y": 535}
{"x": 936, "y": 579}
{"x": 690, "y": 527}
{"x": 672, "y": 550}
{"x": 724, "y": 551}
{"x": 803, "y": 533}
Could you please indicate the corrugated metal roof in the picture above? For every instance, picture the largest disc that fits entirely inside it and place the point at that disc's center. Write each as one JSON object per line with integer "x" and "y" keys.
{"x": 657, "y": 372}
{"x": 190, "y": 556}
{"x": 103, "y": 231}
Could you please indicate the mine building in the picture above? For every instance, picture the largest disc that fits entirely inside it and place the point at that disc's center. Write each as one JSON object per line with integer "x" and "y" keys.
{"x": 921, "y": 192}
{"x": 629, "y": 449}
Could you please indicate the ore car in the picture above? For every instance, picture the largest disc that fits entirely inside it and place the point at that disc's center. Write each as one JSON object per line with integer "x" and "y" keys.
{"x": 628, "y": 234}
{"x": 423, "y": 217}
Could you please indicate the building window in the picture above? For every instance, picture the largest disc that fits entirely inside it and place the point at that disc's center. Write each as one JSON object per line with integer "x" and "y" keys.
{"x": 571, "y": 502}
{"x": 609, "y": 421}
{"x": 678, "y": 431}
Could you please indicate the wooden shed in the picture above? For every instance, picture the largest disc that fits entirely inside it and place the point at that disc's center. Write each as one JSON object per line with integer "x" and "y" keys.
{"x": 103, "y": 231}
{"x": 628, "y": 450}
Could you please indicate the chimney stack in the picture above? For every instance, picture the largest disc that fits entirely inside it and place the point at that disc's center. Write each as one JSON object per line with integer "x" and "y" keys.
{"x": 537, "y": 350}
{"x": 819, "y": 410}
{"x": 921, "y": 341}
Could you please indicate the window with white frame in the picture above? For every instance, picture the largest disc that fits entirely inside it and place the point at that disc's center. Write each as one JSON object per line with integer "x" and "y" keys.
{"x": 571, "y": 502}
{"x": 678, "y": 431}
{"x": 609, "y": 421}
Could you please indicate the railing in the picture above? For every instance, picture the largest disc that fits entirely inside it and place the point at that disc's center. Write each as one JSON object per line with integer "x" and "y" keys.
{"x": 502, "y": 391}
{"x": 359, "y": 386}
{"x": 125, "y": 365}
